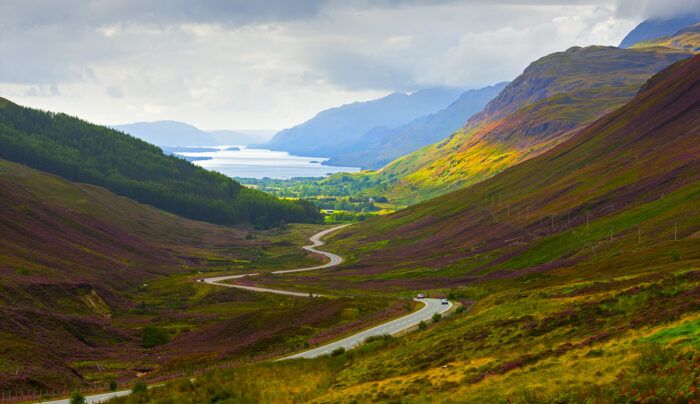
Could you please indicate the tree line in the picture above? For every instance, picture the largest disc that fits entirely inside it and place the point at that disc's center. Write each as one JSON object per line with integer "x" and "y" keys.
{"x": 84, "y": 152}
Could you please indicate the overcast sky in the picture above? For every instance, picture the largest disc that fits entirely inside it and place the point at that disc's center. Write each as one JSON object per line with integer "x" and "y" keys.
{"x": 271, "y": 64}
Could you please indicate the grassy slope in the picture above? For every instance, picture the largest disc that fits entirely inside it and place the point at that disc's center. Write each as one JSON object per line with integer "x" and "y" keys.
{"x": 554, "y": 98}
{"x": 687, "y": 39}
{"x": 565, "y": 313}
{"x": 83, "y": 270}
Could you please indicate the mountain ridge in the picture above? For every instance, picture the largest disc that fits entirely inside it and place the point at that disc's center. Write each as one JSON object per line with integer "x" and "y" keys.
{"x": 382, "y": 145}
{"x": 337, "y": 128}
{"x": 654, "y": 28}
{"x": 554, "y": 97}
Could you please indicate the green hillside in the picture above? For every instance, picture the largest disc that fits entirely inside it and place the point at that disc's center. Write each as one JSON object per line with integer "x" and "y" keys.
{"x": 80, "y": 151}
{"x": 83, "y": 271}
{"x": 554, "y": 98}
{"x": 579, "y": 266}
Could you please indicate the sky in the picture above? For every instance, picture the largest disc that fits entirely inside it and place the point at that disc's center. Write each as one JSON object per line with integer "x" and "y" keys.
{"x": 272, "y": 64}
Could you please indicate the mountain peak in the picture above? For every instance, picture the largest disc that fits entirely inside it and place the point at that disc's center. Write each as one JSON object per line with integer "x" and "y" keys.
{"x": 654, "y": 28}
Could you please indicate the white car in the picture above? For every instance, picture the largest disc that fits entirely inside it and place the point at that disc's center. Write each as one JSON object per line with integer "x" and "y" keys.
{"x": 420, "y": 296}
{"x": 444, "y": 301}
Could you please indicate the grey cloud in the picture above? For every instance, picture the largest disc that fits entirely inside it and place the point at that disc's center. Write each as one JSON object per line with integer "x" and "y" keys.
{"x": 115, "y": 92}
{"x": 37, "y": 13}
{"x": 42, "y": 91}
{"x": 661, "y": 9}
{"x": 160, "y": 58}
{"x": 357, "y": 71}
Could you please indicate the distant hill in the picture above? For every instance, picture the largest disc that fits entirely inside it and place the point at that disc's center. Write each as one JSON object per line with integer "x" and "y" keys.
{"x": 555, "y": 97}
{"x": 655, "y": 28}
{"x": 168, "y": 133}
{"x": 84, "y": 152}
{"x": 241, "y": 137}
{"x": 380, "y": 146}
{"x": 174, "y": 133}
{"x": 336, "y": 129}
{"x": 686, "y": 39}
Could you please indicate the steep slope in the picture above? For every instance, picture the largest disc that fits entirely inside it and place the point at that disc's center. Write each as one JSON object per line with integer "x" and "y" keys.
{"x": 555, "y": 97}
{"x": 70, "y": 255}
{"x": 579, "y": 269}
{"x": 635, "y": 167}
{"x": 80, "y": 151}
{"x": 335, "y": 129}
{"x": 655, "y": 28}
{"x": 380, "y": 146}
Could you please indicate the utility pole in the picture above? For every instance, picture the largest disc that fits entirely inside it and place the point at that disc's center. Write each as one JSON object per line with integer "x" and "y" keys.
{"x": 675, "y": 231}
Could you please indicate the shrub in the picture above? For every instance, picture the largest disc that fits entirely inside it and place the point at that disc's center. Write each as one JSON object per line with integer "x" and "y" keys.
{"x": 460, "y": 309}
{"x": 383, "y": 337}
{"x": 436, "y": 317}
{"x": 422, "y": 326}
{"x": 675, "y": 255}
{"x": 112, "y": 385}
{"x": 152, "y": 336}
{"x": 77, "y": 398}
{"x": 338, "y": 351}
{"x": 139, "y": 387}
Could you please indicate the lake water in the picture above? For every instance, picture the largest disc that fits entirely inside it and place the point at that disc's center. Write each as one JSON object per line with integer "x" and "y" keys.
{"x": 259, "y": 163}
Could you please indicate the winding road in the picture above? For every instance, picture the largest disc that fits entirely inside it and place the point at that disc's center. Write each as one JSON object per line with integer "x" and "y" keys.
{"x": 431, "y": 307}
{"x": 316, "y": 242}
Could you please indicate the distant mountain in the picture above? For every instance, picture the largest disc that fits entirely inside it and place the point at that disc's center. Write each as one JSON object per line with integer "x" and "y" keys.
{"x": 686, "y": 39}
{"x": 655, "y": 28}
{"x": 381, "y": 146}
{"x": 174, "y": 133}
{"x": 84, "y": 152}
{"x": 337, "y": 129}
{"x": 168, "y": 133}
{"x": 241, "y": 137}
{"x": 554, "y": 98}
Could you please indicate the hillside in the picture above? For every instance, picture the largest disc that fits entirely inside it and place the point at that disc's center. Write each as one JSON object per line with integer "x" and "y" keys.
{"x": 83, "y": 271}
{"x": 555, "y": 97}
{"x": 655, "y": 28}
{"x": 333, "y": 130}
{"x": 80, "y": 151}
{"x": 581, "y": 266}
{"x": 380, "y": 146}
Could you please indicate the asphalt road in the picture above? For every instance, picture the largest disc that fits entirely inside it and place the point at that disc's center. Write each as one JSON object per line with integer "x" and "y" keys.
{"x": 97, "y": 398}
{"x": 431, "y": 307}
{"x": 316, "y": 242}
